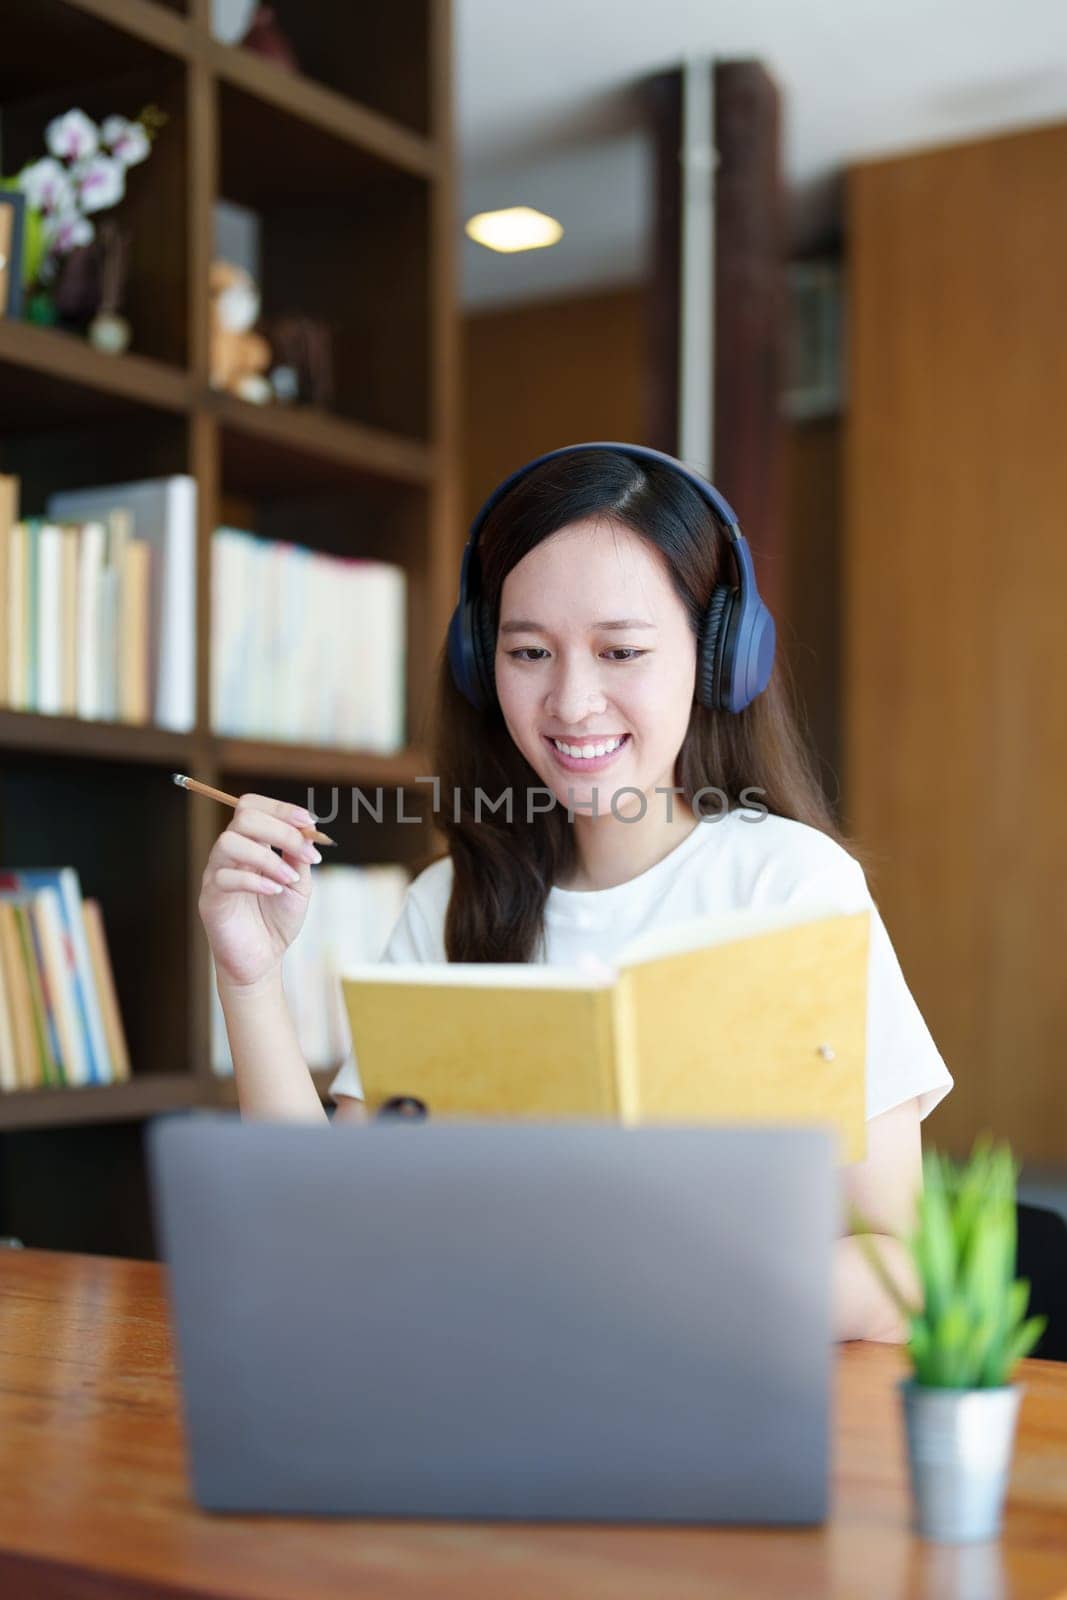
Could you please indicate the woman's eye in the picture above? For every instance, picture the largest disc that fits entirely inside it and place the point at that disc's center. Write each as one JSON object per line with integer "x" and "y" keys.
{"x": 619, "y": 653}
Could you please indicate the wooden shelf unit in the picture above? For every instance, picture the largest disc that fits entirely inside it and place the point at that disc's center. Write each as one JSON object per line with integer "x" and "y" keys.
{"x": 354, "y": 183}
{"x": 143, "y": 1096}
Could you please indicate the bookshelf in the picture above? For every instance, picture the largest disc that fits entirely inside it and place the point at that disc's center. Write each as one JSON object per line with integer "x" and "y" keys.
{"x": 349, "y": 167}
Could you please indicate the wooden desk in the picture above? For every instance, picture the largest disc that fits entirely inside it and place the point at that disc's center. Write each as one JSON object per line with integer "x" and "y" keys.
{"x": 94, "y": 1503}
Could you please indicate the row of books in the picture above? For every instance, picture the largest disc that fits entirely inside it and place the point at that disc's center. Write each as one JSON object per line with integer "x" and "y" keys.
{"x": 60, "y": 1023}
{"x": 98, "y": 603}
{"x": 307, "y": 647}
{"x": 350, "y": 916}
{"x": 98, "y": 620}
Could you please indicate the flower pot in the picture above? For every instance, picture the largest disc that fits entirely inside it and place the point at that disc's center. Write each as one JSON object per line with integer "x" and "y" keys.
{"x": 39, "y": 307}
{"x": 960, "y": 1445}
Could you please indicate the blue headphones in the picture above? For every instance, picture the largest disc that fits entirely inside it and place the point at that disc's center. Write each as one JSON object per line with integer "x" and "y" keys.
{"x": 735, "y": 651}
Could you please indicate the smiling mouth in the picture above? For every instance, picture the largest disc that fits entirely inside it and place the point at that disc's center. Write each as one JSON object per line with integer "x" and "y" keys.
{"x": 590, "y": 750}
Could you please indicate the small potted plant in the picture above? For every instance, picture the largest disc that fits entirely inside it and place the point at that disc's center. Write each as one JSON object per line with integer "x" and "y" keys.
{"x": 960, "y": 1406}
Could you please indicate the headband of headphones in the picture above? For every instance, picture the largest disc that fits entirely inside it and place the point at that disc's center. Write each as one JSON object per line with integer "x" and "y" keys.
{"x": 736, "y": 646}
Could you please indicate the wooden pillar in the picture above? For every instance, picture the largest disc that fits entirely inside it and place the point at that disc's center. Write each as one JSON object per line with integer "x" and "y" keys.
{"x": 749, "y": 298}
{"x": 750, "y": 313}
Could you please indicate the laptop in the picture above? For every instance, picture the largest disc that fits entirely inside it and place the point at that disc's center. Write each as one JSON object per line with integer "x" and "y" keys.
{"x": 456, "y": 1319}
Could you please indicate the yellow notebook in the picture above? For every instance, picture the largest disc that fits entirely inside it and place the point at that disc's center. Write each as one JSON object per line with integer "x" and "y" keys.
{"x": 748, "y": 1016}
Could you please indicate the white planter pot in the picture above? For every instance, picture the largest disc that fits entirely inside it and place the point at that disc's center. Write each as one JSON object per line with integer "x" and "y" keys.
{"x": 960, "y": 1444}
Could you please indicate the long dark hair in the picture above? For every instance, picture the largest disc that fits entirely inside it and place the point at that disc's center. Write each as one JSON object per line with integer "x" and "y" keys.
{"x": 503, "y": 869}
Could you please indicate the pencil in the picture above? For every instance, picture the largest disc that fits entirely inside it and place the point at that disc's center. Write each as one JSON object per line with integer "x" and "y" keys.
{"x": 307, "y": 829}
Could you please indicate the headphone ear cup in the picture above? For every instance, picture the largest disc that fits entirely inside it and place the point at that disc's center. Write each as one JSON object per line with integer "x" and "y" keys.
{"x": 484, "y": 636}
{"x": 713, "y": 638}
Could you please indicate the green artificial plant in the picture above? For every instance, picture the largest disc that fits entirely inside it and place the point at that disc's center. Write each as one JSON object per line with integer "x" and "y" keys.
{"x": 971, "y": 1328}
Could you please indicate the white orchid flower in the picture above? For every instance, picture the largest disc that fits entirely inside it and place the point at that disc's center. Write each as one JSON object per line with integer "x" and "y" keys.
{"x": 47, "y": 187}
{"x": 64, "y": 234}
{"x": 72, "y": 137}
{"x": 100, "y": 182}
{"x": 127, "y": 141}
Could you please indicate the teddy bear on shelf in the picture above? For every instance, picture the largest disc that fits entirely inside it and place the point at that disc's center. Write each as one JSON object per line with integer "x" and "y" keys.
{"x": 239, "y": 356}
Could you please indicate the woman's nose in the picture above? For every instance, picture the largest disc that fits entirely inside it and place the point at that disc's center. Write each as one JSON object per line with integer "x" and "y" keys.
{"x": 574, "y": 693}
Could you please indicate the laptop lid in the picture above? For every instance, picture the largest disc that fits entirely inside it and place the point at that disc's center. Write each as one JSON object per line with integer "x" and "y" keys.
{"x": 501, "y": 1320}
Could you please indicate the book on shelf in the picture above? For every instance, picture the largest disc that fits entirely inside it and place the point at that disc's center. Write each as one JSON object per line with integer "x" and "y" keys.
{"x": 746, "y": 1016}
{"x": 378, "y": 653}
{"x": 68, "y": 620}
{"x": 60, "y": 1023}
{"x": 51, "y": 579}
{"x": 134, "y": 655}
{"x": 160, "y": 514}
{"x": 9, "y": 647}
{"x": 107, "y": 994}
{"x": 36, "y": 1060}
{"x": 50, "y": 568}
{"x": 97, "y": 611}
{"x": 42, "y": 653}
{"x": 306, "y": 647}
{"x": 350, "y": 916}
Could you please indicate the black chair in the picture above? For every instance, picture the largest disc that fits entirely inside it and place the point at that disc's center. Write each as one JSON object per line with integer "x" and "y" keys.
{"x": 1042, "y": 1258}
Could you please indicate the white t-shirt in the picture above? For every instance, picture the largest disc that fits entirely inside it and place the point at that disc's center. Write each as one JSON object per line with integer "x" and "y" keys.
{"x": 742, "y": 860}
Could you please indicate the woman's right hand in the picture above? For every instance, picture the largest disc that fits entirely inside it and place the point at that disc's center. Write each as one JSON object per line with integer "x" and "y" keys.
{"x": 253, "y": 902}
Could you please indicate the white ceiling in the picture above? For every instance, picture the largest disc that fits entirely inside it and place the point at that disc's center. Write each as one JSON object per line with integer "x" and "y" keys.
{"x": 546, "y": 115}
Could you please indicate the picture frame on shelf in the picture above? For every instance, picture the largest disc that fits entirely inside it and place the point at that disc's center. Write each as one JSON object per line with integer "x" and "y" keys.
{"x": 12, "y": 235}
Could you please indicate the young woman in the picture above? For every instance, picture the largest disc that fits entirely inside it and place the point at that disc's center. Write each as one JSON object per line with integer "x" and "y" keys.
{"x": 614, "y": 752}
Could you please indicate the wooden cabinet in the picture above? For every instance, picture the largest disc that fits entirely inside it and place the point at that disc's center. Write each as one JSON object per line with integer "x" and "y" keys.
{"x": 348, "y": 165}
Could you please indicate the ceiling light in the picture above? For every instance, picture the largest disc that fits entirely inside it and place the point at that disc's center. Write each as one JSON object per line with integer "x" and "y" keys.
{"x": 518, "y": 228}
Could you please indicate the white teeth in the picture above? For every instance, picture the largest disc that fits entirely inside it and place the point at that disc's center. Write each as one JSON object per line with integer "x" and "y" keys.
{"x": 587, "y": 751}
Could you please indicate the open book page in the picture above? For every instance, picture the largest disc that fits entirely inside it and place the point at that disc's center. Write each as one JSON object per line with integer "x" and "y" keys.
{"x": 768, "y": 1027}
{"x": 483, "y": 975}
{"x": 696, "y": 933}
